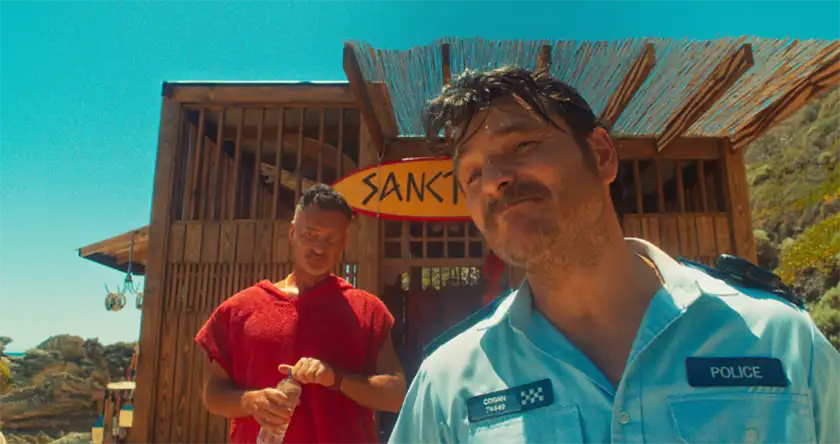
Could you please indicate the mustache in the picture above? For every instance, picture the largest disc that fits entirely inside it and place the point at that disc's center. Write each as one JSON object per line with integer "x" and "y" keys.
{"x": 513, "y": 194}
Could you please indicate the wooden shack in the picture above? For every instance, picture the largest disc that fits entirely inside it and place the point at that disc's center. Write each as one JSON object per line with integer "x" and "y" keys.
{"x": 234, "y": 157}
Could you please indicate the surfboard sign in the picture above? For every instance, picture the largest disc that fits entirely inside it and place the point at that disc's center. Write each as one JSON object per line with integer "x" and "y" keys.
{"x": 422, "y": 188}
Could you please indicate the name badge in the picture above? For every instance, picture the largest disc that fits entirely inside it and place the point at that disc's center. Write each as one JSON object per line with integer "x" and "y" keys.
{"x": 735, "y": 372}
{"x": 522, "y": 398}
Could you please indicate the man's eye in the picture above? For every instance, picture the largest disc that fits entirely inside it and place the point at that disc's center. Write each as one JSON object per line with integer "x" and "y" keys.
{"x": 523, "y": 145}
{"x": 472, "y": 176}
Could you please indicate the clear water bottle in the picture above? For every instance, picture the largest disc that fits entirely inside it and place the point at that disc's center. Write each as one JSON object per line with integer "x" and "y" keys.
{"x": 292, "y": 389}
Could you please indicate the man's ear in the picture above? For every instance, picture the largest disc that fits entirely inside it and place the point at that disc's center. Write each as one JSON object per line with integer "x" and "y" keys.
{"x": 291, "y": 230}
{"x": 606, "y": 158}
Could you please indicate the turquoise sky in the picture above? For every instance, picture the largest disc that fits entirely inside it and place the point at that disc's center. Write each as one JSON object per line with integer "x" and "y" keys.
{"x": 80, "y": 91}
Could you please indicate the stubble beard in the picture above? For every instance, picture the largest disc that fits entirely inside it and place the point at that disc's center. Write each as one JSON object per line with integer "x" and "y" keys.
{"x": 552, "y": 244}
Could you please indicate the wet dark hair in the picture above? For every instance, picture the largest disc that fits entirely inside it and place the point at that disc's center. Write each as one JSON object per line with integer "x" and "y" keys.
{"x": 472, "y": 92}
{"x": 324, "y": 197}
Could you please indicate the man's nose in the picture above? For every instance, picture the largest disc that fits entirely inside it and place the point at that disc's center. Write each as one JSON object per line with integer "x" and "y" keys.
{"x": 318, "y": 247}
{"x": 496, "y": 177}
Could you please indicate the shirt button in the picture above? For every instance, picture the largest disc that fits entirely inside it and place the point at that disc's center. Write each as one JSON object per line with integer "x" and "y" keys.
{"x": 623, "y": 418}
{"x": 751, "y": 435}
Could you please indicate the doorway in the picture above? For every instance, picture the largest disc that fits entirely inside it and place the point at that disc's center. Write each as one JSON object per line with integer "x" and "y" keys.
{"x": 426, "y": 301}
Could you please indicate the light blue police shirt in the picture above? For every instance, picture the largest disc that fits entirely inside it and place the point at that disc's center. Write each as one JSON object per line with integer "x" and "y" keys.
{"x": 709, "y": 364}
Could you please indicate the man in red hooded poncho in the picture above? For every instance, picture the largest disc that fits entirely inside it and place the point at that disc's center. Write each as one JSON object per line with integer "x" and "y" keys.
{"x": 332, "y": 338}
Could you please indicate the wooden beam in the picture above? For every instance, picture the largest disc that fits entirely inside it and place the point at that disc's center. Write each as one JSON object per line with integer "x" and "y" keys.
{"x": 446, "y": 72}
{"x": 359, "y": 88}
{"x": 737, "y": 197}
{"x": 627, "y": 147}
{"x": 445, "y": 63}
{"x": 288, "y": 178}
{"x": 150, "y": 325}
{"x": 725, "y": 74}
{"x": 260, "y": 93}
{"x": 381, "y": 99}
{"x": 632, "y": 81}
{"x": 404, "y": 148}
{"x": 138, "y": 268}
{"x": 116, "y": 243}
{"x": 310, "y": 150}
{"x": 139, "y": 257}
{"x": 683, "y": 148}
{"x": 544, "y": 58}
{"x": 823, "y": 78}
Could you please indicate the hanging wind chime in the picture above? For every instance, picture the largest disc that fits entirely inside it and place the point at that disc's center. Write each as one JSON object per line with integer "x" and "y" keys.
{"x": 115, "y": 301}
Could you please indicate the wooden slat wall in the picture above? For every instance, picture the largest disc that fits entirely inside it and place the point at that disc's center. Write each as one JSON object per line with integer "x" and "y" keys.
{"x": 699, "y": 237}
{"x": 209, "y": 261}
{"x": 684, "y": 215}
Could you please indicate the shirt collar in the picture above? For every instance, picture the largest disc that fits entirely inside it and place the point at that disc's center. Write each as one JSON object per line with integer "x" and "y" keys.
{"x": 683, "y": 285}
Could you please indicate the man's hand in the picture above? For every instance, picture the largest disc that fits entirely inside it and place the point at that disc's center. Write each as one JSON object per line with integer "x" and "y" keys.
{"x": 270, "y": 407}
{"x": 310, "y": 371}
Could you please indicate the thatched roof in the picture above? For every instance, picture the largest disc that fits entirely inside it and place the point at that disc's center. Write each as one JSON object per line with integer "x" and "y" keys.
{"x": 717, "y": 88}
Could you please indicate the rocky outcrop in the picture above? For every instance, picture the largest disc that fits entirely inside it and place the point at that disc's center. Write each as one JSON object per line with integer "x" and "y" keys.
{"x": 42, "y": 438}
{"x": 53, "y": 386}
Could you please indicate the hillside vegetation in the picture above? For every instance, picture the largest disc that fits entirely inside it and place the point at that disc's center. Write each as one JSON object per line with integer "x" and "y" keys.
{"x": 795, "y": 198}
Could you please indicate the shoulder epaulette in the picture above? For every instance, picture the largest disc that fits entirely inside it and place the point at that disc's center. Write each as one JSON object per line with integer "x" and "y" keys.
{"x": 740, "y": 272}
{"x": 474, "y": 318}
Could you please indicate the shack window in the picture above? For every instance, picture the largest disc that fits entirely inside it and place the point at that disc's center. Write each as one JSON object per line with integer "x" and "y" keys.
{"x": 646, "y": 186}
{"x": 254, "y": 162}
{"x": 431, "y": 240}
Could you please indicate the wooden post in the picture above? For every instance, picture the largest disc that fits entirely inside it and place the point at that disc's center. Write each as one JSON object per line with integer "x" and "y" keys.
{"x": 446, "y": 72}
{"x": 445, "y": 61}
{"x": 544, "y": 58}
{"x": 108, "y": 421}
{"x": 144, "y": 399}
{"x": 360, "y": 91}
{"x": 368, "y": 244}
{"x": 738, "y": 201}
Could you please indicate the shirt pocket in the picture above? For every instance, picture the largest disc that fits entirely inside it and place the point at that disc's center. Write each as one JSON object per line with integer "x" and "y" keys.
{"x": 743, "y": 417}
{"x": 555, "y": 424}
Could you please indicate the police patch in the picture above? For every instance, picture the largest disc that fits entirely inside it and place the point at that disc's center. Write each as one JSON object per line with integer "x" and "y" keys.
{"x": 735, "y": 372}
{"x": 522, "y": 398}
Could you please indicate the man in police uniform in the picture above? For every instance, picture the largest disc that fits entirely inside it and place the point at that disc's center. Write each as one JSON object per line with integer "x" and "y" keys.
{"x": 608, "y": 339}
